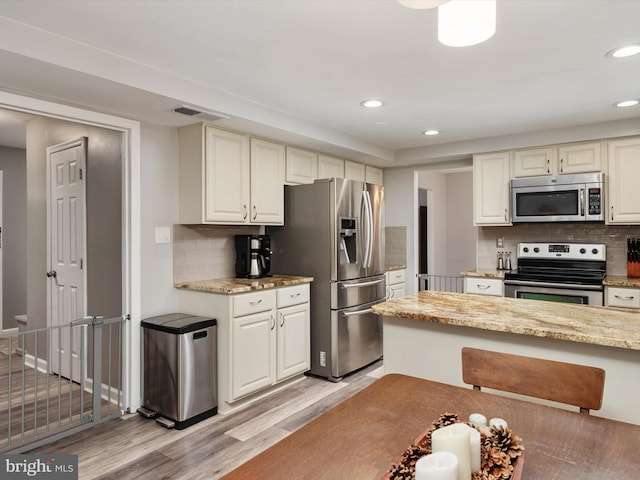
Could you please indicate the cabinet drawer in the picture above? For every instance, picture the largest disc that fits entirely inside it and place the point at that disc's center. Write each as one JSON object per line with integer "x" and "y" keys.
{"x": 483, "y": 286}
{"x": 294, "y": 295}
{"x": 248, "y": 303}
{"x": 623, "y": 297}
{"x": 395, "y": 276}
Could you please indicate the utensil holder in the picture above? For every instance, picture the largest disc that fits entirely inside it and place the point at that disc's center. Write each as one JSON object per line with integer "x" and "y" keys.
{"x": 633, "y": 269}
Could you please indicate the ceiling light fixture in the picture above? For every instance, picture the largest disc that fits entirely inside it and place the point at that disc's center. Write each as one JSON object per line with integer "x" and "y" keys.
{"x": 421, "y": 4}
{"x": 462, "y": 23}
{"x": 371, "y": 103}
{"x": 626, "y": 51}
{"x": 626, "y": 103}
{"x": 431, "y": 132}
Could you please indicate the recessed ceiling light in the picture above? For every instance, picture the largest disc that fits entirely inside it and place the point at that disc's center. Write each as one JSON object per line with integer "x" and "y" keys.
{"x": 625, "y": 51}
{"x": 626, "y": 103}
{"x": 371, "y": 103}
{"x": 431, "y": 132}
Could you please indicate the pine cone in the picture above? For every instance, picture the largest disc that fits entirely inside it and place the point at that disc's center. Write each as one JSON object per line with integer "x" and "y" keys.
{"x": 506, "y": 441}
{"x": 445, "y": 419}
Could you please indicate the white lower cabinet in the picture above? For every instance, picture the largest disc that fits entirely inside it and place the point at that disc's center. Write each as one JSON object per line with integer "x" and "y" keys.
{"x": 484, "y": 286}
{"x": 252, "y": 350}
{"x": 395, "y": 284}
{"x": 263, "y": 338}
{"x": 622, "y": 297}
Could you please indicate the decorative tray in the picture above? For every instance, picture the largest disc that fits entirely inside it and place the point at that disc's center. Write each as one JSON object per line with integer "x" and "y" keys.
{"x": 501, "y": 453}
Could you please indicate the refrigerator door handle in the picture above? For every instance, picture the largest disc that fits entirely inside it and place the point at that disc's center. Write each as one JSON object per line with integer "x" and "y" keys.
{"x": 368, "y": 221}
{"x": 358, "y": 312}
{"x": 362, "y": 284}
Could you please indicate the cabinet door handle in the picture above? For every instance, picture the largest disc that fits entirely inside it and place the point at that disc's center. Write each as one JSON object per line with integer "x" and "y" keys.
{"x": 281, "y": 320}
{"x": 548, "y": 165}
{"x": 624, "y": 297}
{"x": 506, "y": 218}
{"x": 561, "y": 165}
{"x": 612, "y": 212}
{"x": 255, "y": 212}
{"x": 483, "y": 287}
{"x": 245, "y": 212}
{"x": 273, "y": 322}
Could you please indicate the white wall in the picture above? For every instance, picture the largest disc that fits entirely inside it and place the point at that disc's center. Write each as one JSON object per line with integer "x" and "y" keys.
{"x": 401, "y": 209}
{"x": 159, "y": 207}
{"x": 462, "y": 236}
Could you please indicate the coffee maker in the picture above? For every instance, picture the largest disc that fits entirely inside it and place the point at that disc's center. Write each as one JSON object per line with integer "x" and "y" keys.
{"x": 253, "y": 256}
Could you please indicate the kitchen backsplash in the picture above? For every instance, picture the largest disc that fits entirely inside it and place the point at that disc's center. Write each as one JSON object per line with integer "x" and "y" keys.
{"x": 614, "y": 237}
{"x": 202, "y": 252}
{"x": 395, "y": 245}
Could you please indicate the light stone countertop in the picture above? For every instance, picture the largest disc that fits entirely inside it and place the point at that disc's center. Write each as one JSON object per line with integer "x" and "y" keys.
{"x": 390, "y": 268}
{"x": 613, "y": 327}
{"x": 230, "y": 286}
{"x": 484, "y": 273}
{"x": 620, "y": 281}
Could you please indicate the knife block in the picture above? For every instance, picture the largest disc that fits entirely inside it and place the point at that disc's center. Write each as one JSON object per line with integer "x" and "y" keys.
{"x": 633, "y": 269}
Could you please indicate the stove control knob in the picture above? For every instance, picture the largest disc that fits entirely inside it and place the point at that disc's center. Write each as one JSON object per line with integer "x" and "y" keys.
{"x": 536, "y": 249}
{"x": 583, "y": 250}
{"x": 525, "y": 249}
{"x": 594, "y": 251}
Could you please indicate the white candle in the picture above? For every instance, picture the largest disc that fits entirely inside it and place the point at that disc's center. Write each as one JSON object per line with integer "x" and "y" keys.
{"x": 437, "y": 466}
{"x": 478, "y": 419}
{"x": 498, "y": 422}
{"x": 454, "y": 438}
{"x": 474, "y": 441}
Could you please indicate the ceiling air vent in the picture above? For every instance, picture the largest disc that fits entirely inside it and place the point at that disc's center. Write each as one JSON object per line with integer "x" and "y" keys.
{"x": 192, "y": 112}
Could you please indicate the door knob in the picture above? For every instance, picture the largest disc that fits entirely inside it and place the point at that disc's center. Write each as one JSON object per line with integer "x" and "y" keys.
{"x": 52, "y": 273}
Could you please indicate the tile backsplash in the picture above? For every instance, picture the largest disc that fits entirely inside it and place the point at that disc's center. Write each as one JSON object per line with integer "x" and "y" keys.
{"x": 614, "y": 237}
{"x": 395, "y": 245}
{"x": 202, "y": 252}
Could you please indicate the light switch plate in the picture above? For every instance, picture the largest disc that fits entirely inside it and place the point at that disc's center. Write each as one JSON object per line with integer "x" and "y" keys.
{"x": 499, "y": 242}
{"x": 163, "y": 234}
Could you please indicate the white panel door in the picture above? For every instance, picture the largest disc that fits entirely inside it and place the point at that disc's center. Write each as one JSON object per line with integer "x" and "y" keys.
{"x": 66, "y": 238}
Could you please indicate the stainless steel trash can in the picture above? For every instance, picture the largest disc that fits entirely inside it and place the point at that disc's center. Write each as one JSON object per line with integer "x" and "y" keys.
{"x": 180, "y": 368}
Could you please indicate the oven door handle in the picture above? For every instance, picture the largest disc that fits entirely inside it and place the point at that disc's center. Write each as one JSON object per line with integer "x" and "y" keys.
{"x": 567, "y": 286}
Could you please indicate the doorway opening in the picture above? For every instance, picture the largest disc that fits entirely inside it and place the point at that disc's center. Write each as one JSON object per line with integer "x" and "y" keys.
{"x": 128, "y": 281}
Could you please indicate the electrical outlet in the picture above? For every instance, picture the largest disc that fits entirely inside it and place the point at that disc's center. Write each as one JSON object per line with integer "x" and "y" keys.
{"x": 499, "y": 242}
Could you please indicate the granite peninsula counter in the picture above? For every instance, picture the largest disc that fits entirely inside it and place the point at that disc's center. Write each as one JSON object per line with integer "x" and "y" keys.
{"x": 424, "y": 333}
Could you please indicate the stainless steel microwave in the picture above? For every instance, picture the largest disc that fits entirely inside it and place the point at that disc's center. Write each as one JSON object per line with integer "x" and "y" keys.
{"x": 558, "y": 198}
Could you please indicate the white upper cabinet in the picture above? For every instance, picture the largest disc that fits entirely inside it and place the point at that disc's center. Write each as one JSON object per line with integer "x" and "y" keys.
{"x": 213, "y": 173}
{"x": 302, "y": 166}
{"x": 580, "y": 157}
{"x": 491, "y": 177}
{"x": 373, "y": 175}
{"x": 330, "y": 167}
{"x": 227, "y": 178}
{"x": 267, "y": 182}
{"x": 558, "y": 159}
{"x": 623, "y": 175}
{"x": 354, "y": 171}
{"x": 533, "y": 162}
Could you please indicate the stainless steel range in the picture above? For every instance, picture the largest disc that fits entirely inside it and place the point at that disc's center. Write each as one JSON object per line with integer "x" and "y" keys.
{"x": 559, "y": 272}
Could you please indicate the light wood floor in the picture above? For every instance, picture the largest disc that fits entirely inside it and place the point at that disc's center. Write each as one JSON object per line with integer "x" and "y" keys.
{"x": 136, "y": 448}
{"x": 38, "y": 404}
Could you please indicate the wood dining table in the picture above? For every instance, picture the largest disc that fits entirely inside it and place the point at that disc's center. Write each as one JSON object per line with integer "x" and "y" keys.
{"x": 360, "y": 438}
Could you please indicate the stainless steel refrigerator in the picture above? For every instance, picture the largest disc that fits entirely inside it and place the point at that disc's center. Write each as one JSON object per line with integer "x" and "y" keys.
{"x": 334, "y": 231}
